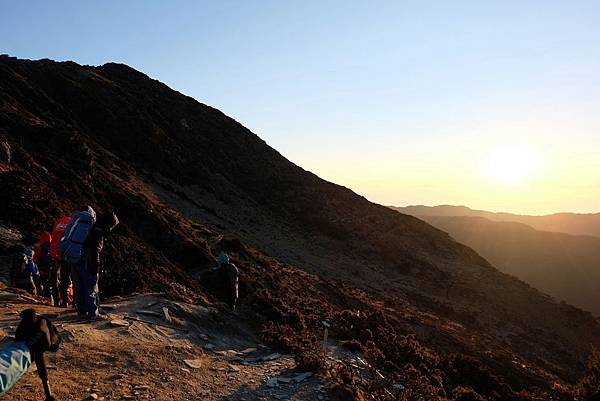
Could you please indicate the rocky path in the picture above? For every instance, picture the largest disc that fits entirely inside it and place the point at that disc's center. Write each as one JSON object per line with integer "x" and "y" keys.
{"x": 151, "y": 348}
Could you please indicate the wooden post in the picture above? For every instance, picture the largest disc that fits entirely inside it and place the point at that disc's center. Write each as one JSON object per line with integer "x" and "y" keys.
{"x": 325, "y": 333}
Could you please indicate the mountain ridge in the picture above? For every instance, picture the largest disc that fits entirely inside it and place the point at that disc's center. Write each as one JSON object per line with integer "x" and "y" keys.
{"x": 570, "y": 223}
{"x": 187, "y": 182}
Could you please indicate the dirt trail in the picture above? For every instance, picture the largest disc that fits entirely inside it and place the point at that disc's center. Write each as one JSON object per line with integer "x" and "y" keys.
{"x": 125, "y": 359}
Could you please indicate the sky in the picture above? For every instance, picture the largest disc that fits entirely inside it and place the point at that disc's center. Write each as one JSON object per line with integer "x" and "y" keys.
{"x": 488, "y": 104}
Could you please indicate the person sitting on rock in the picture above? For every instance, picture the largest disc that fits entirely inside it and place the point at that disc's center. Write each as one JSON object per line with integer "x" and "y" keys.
{"x": 34, "y": 336}
{"x": 24, "y": 273}
{"x": 88, "y": 267}
{"x": 230, "y": 276}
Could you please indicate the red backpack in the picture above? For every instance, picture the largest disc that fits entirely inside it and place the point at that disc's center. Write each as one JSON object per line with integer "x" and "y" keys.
{"x": 57, "y": 233}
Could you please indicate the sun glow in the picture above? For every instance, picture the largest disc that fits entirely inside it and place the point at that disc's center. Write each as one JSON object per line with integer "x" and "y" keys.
{"x": 511, "y": 164}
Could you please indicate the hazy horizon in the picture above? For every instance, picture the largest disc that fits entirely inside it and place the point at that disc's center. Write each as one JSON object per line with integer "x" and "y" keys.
{"x": 492, "y": 106}
{"x": 492, "y": 211}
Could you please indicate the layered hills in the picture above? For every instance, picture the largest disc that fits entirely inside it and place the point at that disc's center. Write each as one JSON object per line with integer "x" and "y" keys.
{"x": 570, "y": 223}
{"x": 562, "y": 265}
{"x": 432, "y": 318}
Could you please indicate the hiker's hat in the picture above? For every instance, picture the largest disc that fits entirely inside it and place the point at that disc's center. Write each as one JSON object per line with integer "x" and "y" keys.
{"x": 223, "y": 258}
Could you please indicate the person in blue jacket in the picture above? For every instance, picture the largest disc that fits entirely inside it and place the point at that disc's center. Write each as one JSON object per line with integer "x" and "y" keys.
{"x": 24, "y": 273}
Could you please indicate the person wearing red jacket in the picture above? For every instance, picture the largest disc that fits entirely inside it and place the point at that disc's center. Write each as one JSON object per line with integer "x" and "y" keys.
{"x": 64, "y": 268}
{"x": 47, "y": 267}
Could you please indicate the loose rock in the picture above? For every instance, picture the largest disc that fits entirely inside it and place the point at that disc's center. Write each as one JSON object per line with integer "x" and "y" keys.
{"x": 9, "y": 296}
{"x": 193, "y": 363}
{"x": 271, "y": 357}
{"x": 119, "y": 323}
{"x": 166, "y": 314}
{"x": 302, "y": 376}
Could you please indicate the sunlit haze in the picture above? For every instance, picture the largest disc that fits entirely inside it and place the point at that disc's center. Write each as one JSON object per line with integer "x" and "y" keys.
{"x": 512, "y": 165}
{"x": 493, "y": 105}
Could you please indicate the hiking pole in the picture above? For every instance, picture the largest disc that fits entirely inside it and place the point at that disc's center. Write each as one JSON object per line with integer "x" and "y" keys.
{"x": 326, "y": 326}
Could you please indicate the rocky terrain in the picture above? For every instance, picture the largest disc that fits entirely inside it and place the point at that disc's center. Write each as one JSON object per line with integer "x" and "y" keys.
{"x": 202, "y": 352}
{"x": 430, "y": 318}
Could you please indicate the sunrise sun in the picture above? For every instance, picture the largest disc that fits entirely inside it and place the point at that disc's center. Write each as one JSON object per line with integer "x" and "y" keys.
{"x": 511, "y": 164}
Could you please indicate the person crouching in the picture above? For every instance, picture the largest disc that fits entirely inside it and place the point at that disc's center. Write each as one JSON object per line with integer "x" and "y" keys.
{"x": 34, "y": 336}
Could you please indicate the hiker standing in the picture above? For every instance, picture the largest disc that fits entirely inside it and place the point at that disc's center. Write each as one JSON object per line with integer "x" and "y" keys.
{"x": 24, "y": 273}
{"x": 72, "y": 241}
{"x": 63, "y": 268}
{"x": 230, "y": 277}
{"x": 47, "y": 267}
{"x": 88, "y": 267}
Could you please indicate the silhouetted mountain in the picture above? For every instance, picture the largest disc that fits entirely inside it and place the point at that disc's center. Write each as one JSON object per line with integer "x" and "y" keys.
{"x": 570, "y": 223}
{"x": 562, "y": 265}
{"x": 430, "y": 316}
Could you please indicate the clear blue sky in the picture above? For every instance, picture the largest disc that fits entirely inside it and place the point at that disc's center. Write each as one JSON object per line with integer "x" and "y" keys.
{"x": 401, "y": 101}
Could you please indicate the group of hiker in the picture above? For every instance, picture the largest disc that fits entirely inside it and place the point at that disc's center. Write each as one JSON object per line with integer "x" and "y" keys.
{"x": 65, "y": 265}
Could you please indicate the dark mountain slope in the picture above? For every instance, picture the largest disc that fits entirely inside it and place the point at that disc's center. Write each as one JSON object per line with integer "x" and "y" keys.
{"x": 570, "y": 223}
{"x": 181, "y": 174}
{"x": 564, "y": 266}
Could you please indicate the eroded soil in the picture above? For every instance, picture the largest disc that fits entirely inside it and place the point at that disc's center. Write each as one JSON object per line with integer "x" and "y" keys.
{"x": 123, "y": 359}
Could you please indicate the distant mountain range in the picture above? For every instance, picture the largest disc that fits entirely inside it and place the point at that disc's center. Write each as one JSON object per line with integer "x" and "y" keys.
{"x": 570, "y": 223}
{"x": 563, "y": 265}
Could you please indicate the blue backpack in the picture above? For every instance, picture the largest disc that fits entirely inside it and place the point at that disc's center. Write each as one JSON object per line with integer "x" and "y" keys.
{"x": 76, "y": 232}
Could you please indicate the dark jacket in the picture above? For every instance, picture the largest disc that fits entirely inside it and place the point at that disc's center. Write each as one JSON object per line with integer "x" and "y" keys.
{"x": 94, "y": 243}
{"x": 231, "y": 275}
{"x": 92, "y": 248}
{"x": 42, "y": 258}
